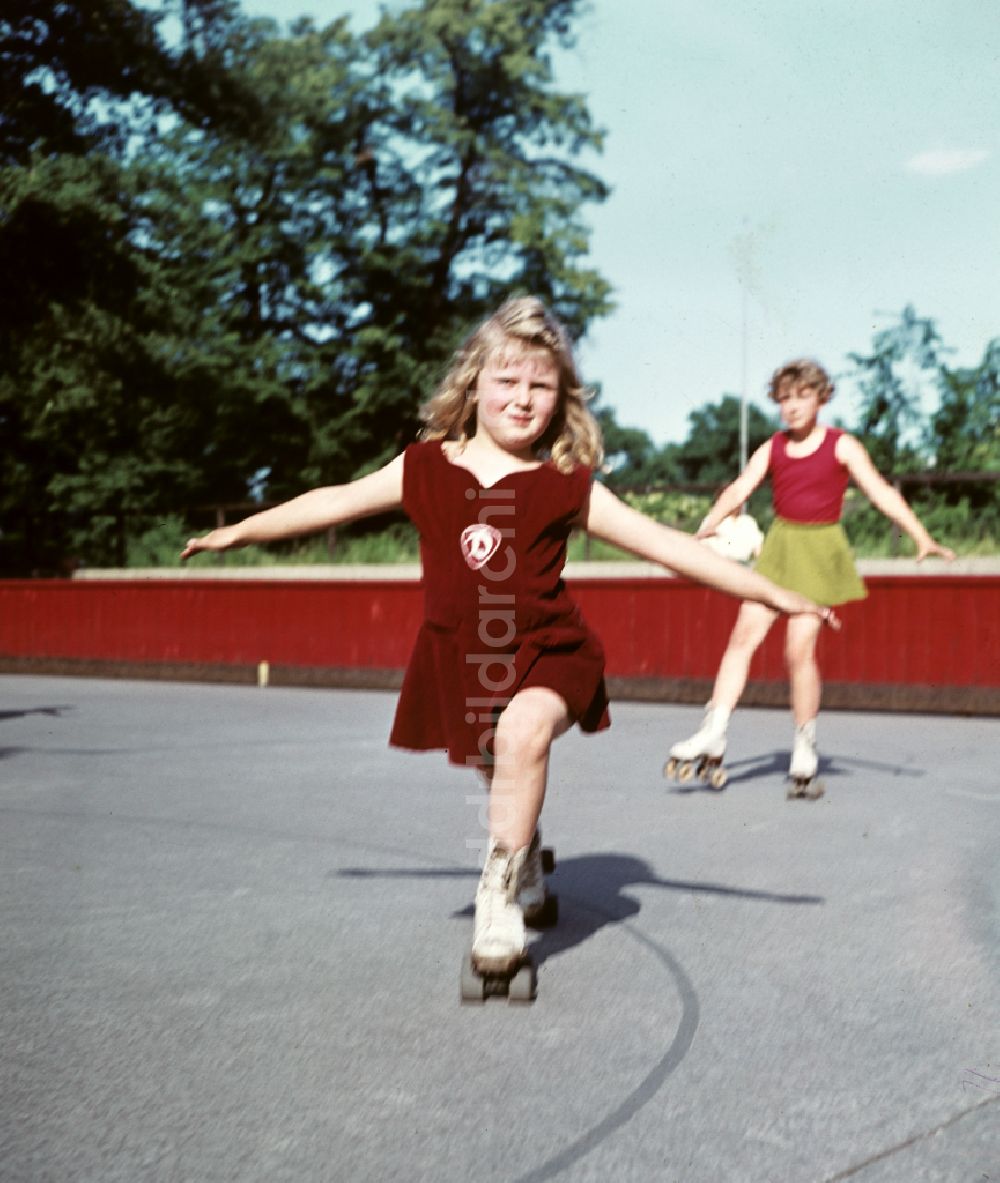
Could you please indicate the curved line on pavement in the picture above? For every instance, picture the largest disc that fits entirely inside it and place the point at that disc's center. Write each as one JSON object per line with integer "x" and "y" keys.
{"x": 652, "y": 1082}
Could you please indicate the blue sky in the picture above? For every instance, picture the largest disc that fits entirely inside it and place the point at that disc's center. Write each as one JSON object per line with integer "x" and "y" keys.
{"x": 786, "y": 175}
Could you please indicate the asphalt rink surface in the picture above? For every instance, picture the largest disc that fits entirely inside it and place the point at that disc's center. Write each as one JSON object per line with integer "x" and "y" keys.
{"x": 233, "y": 921}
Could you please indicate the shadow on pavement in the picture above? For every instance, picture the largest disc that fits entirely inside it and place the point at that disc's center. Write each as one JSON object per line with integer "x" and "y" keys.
{"x": 53, "y": 712}
{"x": 775, "y": 764}
{"x": 592, "y": 894}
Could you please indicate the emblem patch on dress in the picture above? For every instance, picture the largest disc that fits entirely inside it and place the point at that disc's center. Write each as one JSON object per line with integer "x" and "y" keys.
{"x": 479, "y": 544}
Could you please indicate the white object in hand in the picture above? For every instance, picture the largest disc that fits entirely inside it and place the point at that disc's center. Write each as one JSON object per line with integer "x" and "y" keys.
{"x": 736, "y": 537}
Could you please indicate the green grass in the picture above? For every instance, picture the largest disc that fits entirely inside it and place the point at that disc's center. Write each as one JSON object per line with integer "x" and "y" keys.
{"x": 968, "y": 530}
{"x": 160, "y": 546}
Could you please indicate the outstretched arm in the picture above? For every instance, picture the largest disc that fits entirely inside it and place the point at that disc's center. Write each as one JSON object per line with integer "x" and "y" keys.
{"x": 611, "y": 519}
{"x": 316, "y": 510}
{"x": 733, "y": 496}
{"x": 886, "y": 499}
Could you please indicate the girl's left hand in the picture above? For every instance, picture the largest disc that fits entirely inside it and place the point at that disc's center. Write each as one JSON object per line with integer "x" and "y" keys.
{"x": 930, "y": 547}
{"x": 220, "y": 539}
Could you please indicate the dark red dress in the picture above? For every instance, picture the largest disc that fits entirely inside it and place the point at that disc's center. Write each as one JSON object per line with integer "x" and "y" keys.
{"x": 498, "y": 617}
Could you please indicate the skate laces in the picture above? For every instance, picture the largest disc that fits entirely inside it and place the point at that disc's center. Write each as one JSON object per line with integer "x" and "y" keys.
{"x": 498, "y": 918}
{"x": 505, "y": 872}
{"x": 498, "y": 873}
{"x": 490, "y": 906}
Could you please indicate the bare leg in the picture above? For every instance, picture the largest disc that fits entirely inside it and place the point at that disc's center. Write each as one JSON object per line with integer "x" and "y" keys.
{"x": 525, "y": 730}
{"x": 803, "y": 672}
{"x": 752, "y": 626}
{"x": 524, "y": 734}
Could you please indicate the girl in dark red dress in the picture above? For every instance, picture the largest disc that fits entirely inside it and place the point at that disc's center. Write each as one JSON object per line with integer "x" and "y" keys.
{"x": 504, "y": 662}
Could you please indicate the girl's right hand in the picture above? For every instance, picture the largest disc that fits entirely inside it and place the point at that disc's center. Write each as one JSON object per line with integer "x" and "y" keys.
{"x": 216, "y": 540}
{"x": 806, "y": 607}
{"x": 828, "y": 616}
{"x": 705, "y": 531}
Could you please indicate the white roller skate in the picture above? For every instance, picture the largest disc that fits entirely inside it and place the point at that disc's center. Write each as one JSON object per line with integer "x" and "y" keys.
{"x": 539, "y": 906}
{"x": 498, "y": 962}
{"x": 701, "y": 755}
{"x": 804, "y": 762}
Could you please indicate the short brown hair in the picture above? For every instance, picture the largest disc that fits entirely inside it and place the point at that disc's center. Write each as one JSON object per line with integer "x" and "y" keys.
{"x": 803, "y": 371}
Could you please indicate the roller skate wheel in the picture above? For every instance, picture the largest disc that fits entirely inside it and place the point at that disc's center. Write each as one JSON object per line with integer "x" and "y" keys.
{"x": 670, "y": 768}
{"x": 805, "y": 790}
{"x": 685, "y": 772}
{"x": 473, "y": 984}
{"x": 718, "y": 778}
{"x": 546, "y": 915}
{"x": 548, "y": 860}
{"x": 523, "y": 985}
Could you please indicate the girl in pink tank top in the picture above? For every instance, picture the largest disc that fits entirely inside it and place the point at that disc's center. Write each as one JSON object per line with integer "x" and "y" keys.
{"x": 806, "y": 551}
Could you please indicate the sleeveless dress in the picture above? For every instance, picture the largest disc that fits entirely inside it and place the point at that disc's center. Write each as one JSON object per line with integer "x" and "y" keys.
{"x": 497, "y": 616}
{"x": 806, "y": 549}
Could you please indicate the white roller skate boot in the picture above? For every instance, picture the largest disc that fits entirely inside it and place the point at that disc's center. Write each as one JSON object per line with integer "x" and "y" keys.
{"x": 538, "y": 905}
{"x": 804, "y": 762}
{"x": 498, "y": 940}
{"x": 701, "y": 755}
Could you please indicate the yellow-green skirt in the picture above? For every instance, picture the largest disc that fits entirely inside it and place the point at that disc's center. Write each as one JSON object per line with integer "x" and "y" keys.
{"x": 814, "y": 560}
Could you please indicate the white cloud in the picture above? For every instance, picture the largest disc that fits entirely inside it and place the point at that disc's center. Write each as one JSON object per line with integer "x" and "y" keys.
{"x": 944, "y": 161}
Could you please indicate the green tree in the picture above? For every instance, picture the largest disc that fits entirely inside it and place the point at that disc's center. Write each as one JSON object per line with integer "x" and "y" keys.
{"x": 217, "y": 290}
{"x": 56, "y": 58}
{"x": 255, "y": 238}
{"x": 904, "y": 359}
{"x": 632, "y": 459}
{"x": 84, "y": 389}
{"x": 965, "y": 429}
{"x": 70, "y": 74}
{"x": 403, "y": 187}
{"x": 711, "y": 452}
{"x": 74, "y": 362}
{"x": 964, "y": 434}
{"x": 627, "y": 450}
{"x": 473, "y": 192}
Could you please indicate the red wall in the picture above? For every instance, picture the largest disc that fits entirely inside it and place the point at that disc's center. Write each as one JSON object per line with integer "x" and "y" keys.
{"x": 227, "y": 622}
{"x": 933, "y": 632}
{"x": 911, "y": 629}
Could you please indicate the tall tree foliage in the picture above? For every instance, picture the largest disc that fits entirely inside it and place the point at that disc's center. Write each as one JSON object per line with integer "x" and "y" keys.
{"x": 904, "y": 358}
{"x": 964, "y": 434}
{"x": 85, "y": 389}
{"x": 711, "y": 452}
{"x": 467, "y": 159}
{"x": 249, "y": 254}
{"x": 965, "y": 429}
{"x": 253, "y": 237}
{"x": 56, "y": 58}
{"x": 630, "y": 456}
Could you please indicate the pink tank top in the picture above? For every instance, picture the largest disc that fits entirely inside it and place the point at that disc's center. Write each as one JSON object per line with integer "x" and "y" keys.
{"x": 808, "y": 488}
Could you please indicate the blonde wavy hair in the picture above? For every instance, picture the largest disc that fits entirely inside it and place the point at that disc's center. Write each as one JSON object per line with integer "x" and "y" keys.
{"x": 802, "y": 372}
{"x": 521, "y": 325}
